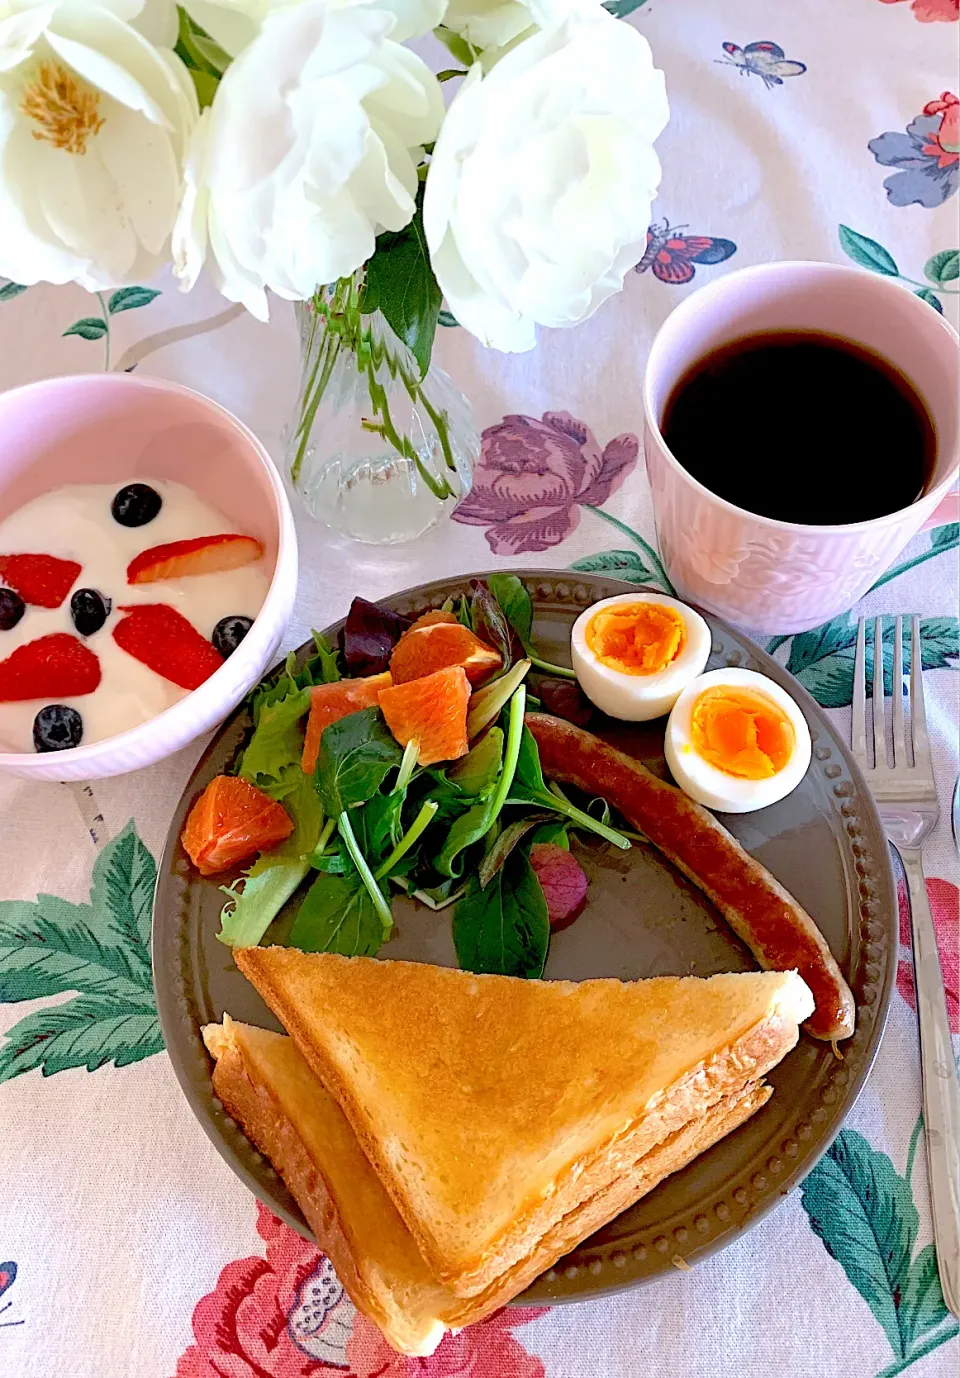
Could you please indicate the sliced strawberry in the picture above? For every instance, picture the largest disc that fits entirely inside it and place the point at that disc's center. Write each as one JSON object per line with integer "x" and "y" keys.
{"x": 200, "y": 555}
{"x": 57, "y": 666}
{"x": 230, "y": 822}
{"x": 42, "y": 580}
{"x": 162, "y": 638}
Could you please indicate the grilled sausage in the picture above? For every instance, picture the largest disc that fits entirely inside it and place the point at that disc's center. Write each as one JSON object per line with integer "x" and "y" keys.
{"x": 778, "y": 931}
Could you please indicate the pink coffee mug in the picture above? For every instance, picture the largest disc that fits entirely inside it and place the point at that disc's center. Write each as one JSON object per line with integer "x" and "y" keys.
{"x": 774, "y": 576}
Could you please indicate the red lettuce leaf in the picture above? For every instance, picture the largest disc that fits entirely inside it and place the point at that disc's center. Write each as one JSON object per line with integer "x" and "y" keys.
{"x": 563, "y": 882}
{"x": 369, "y": 636}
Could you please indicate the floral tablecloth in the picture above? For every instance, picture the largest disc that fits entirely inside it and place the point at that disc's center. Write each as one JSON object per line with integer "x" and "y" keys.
{"x": 127, "y": 1247}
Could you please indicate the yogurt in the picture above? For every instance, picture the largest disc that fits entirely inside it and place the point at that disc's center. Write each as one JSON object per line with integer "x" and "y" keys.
{"x": 75, "y": 523}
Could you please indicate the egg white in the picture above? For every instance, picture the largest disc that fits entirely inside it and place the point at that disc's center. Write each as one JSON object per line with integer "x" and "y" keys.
{"x": 638, "y": 698}
{"x": 712, "y": 787}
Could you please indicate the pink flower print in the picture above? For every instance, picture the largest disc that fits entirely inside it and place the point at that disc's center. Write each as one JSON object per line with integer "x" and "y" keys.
{"x": 932, "y": 11}
{"x": 945, "y": 907}
{"x": 241, "y": 1327}
{"x": 534, "y": 476}
{"x": 485, "y": 1350}
{"x": 287, "y": 1316}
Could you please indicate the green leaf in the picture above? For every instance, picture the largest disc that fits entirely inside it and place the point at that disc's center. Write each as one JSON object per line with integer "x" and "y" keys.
{"x": 51, "y": 946}
{"x": 514, "y": 598}
{"x": 87, "y": 1031}
{"x": 205, "y": 86}
{"x": 197, "y": 49}
{"x": 922, "y": 1306}
{"x": 504, "y": 928}
{"x": 338, "y": 915}
{"x": 487, "y": 704}
{"x": 9, "y": 290}
{"x": 469, "y": 828}
{"x": 556, "y": 831}
{"x": 378, "y": 824}
{"x": 101, "y": 948}
{"x": 124, "y": 876}
{"x": 945, "y": 536}
{"x": 448, "y": 319}
{"x": 474, "y": 825}
{"x": 865, "y": 1215}
{"x": 529, "y": 787}
{"x": 88, "y": 328}
{"x": 511, "y": 837}
{"x": 930, "y": 297}
{"x": 256, "y": 899}
{"x": 355, "y": 756}
{"x": 400, "y": 284}
{"x": 324, "y": 667}
{"x": 130, "y": 298}
{"x": 529, "y": 771}
{"x": 943, "y": 267}
{"x": 823, "y": 659}
{"x": 456, "y": 45}
{"x": 277, "y": 744}
{"x": 625, "y": 564}
{"x": 476, "y": 772}
{"x": 867, "y": 252}
{"x": 621, "y": 8}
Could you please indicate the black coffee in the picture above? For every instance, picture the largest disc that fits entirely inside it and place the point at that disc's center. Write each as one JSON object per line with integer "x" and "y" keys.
{"x": 802, "y": 427}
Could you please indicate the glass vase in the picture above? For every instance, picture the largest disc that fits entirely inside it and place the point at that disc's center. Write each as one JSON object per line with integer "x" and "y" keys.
{"x": 374, "y": 451}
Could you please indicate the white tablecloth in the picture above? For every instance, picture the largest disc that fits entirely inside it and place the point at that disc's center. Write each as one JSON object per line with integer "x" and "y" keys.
{"x": 127, "y": 1247}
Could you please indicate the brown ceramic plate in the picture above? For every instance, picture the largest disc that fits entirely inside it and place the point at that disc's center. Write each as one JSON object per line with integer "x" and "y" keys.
{"x": 824, "y": 843}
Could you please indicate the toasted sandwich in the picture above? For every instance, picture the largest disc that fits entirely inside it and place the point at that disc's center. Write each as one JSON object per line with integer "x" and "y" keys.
{"x": 506, "y": 1119}
{"x": 282, "y": 1106}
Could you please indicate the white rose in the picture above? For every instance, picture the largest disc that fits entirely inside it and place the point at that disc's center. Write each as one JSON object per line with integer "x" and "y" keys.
{"x": 235, "y": 23}
{"x": 538, "y": 196}
{"x": 310, "y": 149}
{"x": 495, "y": 23}
{"x": 94, "y": 122}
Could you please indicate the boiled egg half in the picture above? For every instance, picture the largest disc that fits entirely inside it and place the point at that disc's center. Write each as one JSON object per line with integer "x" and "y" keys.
{"x": 636, "y": 652}
{"x": 736, "y": 741}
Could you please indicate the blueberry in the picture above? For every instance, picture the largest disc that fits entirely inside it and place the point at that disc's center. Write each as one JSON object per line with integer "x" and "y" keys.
{"x": 11, "y": 609}
{"x": 57, "y": 727}
{"x": 89, "y": 610}
{"x": 229, "y": 632}
{"x": 136, "y": 504}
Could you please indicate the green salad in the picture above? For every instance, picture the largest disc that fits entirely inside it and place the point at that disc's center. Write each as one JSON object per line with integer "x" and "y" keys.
{"x": 484, "y": 835}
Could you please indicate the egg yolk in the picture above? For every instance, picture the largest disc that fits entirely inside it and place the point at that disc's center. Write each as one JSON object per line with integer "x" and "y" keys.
{"x": 636, "y": 638}
{"x": 741, "y": 732}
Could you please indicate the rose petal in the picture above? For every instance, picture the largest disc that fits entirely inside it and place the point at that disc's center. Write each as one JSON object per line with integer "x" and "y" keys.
{"x": 534, "y": 531}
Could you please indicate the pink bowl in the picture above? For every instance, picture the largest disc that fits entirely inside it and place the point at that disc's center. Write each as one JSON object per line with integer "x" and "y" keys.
{"x": 98, "y": 428}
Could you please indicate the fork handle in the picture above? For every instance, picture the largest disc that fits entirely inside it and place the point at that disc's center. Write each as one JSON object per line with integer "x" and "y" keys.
{"x": 941, "y": 1088}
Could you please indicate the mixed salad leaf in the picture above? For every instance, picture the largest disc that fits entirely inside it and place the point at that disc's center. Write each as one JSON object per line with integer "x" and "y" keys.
{"x": 474, "y": 834}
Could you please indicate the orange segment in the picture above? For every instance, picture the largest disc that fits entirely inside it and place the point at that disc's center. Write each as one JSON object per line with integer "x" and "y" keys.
{"x": 230, "y": 822}
{"x": 741, "y": 732}
{"x": 432, "y": 709}
{"x": 429, "y": 619}
{"x": 431, "y": 644}
{"x": 636, "y": 638}
{"x": 331, "y": 702}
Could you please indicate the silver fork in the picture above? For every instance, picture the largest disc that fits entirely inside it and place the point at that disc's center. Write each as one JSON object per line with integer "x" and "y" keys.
{"x": 907, "y": 800}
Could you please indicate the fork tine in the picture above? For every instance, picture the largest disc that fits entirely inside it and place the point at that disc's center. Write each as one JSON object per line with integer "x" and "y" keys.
{"x": 858, "y": 733}
{"x": 879, "y": 718}
{"x": 918, "y": 715}
{"x": 900, "y": 757}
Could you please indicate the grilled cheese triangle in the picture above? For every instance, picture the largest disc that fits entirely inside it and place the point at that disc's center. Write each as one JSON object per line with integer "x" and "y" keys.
{"x": 283, "y": 1108}
{"x": 493, "y": 1108}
